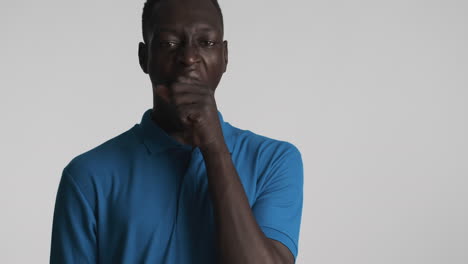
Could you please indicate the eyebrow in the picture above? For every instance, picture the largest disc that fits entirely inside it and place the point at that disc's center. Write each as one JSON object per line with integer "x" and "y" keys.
{"x": 168, "y": 29}
{"x": 165, "y": 29}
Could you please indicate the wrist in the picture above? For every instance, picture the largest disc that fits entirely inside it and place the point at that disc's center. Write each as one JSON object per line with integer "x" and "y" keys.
{"x": 216, "y": 147}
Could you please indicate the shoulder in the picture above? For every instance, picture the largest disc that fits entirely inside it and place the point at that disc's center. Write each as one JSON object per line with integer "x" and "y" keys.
{"x": 273, "y": 163}
{"x": 106, "y": 156}
{"x": 96, "y": 170}
{"x": 264, "y": 148}
{"x": 270, "y": 160}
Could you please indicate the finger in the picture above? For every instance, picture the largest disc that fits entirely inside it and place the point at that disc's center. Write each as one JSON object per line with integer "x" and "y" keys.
{"x": 189, "y": 114}
{"x": 185, "y": 87}
{"x": 187, "y": 80}
{"x": 181, "y": 98}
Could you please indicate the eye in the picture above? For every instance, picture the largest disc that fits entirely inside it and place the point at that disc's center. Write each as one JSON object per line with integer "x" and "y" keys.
{"x": 208, "y": 43}
{"x": 168, "y": 44}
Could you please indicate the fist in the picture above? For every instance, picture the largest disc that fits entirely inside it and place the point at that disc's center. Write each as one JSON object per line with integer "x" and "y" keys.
{"x": 195, "y": 108}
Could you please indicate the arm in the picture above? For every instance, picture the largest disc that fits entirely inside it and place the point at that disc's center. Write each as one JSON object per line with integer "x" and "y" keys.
{"x": 73, "y": 230}
{"x": 239, "y": 237}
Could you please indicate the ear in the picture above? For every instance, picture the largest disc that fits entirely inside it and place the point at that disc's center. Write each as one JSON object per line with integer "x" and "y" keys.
{"x": 225, "y": 54}
{"x": 143, "y": 57}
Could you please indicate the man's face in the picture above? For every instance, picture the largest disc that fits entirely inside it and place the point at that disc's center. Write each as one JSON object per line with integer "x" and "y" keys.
{"x": 186, "y": 40}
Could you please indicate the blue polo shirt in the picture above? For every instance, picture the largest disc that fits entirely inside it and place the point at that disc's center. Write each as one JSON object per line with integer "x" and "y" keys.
{"x": 143, "y": 197}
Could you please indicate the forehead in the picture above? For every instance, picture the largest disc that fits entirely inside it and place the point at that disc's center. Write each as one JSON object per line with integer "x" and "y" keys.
{"x": 183, "y": 14}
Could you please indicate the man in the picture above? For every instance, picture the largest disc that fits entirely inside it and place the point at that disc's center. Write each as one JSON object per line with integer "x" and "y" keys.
{"x": 183, "y": 186}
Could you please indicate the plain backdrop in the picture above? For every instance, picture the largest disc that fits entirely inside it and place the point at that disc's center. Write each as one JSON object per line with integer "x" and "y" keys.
{"x": 373, "y": 93}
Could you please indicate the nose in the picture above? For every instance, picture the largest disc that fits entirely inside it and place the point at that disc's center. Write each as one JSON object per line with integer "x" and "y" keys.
{"x": 189, "y": 55}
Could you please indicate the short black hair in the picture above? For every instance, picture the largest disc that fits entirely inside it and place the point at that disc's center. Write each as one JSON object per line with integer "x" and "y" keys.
{"x": 147, "y": 13}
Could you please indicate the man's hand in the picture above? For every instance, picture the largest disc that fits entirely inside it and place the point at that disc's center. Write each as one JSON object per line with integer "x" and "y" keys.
{"x": 196, "y": 110}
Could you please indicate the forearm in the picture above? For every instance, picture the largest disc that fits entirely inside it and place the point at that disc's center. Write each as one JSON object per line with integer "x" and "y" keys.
{"x": 240, "y": 239}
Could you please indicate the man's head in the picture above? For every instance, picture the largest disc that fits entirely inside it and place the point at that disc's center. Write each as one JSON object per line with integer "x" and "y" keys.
{"x": 183, "y": 38}
{"x": 148, "y": 12}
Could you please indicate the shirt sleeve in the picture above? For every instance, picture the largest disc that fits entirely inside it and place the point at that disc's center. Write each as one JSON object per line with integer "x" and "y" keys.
{"x": 74, "y": 225}
{"x": 278, "y": 207}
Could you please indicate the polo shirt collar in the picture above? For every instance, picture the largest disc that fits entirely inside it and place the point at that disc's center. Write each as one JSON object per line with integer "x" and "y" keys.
{"x": 157, "y": 140}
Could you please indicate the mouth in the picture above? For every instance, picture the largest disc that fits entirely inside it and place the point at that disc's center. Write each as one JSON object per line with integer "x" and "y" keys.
{"x": 188, "y": 76}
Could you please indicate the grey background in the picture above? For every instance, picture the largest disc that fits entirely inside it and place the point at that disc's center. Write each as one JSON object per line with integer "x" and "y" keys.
{"x": 374, "y": 94}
